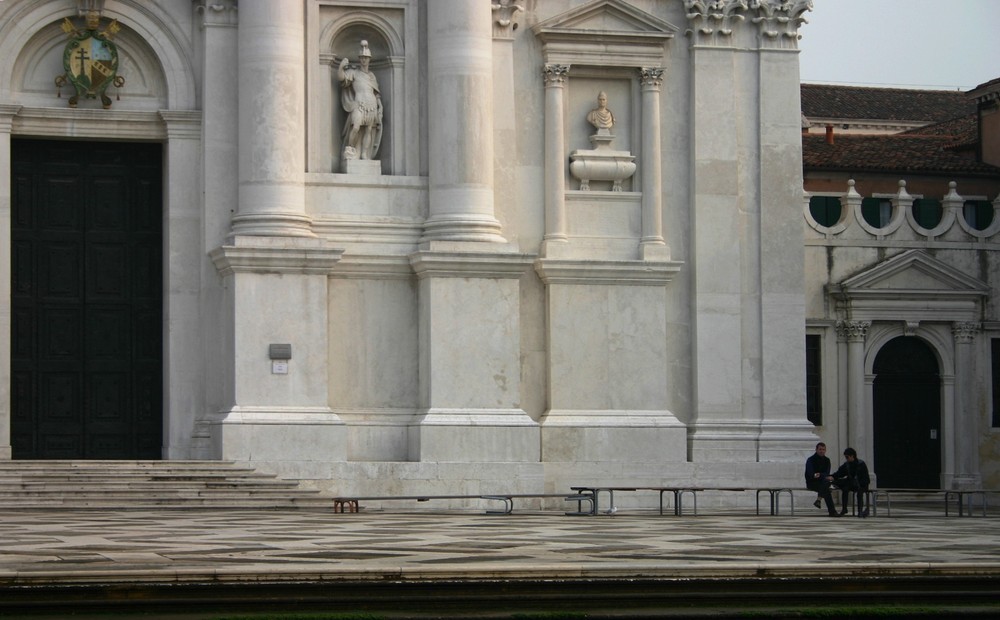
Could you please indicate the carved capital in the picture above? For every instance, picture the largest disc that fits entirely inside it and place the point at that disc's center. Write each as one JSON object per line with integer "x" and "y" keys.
{"x": 965, "y": 332}
{"x": 779, "y": 21}
{"x": 651, "y": 77}
{"x": 217, "y": 13}
{"x": 555, "y": 75}
{"x": 504, "y": 13}
{"x": 712, "y": 21}
{"x": 853, "y": 331}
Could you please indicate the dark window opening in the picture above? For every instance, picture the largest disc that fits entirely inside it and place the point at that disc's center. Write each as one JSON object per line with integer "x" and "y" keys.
{"x": 825, "y": 210}
{"x": 814, "y": 392}
{"x": 927, "y": 212}
{"x": 995, "y": 343}
{"x": 978, "y": 214}
{"x": 876, "y": 211}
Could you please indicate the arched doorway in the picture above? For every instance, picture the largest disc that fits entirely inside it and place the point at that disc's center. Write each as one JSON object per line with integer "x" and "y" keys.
{"x": 907, "y": 415}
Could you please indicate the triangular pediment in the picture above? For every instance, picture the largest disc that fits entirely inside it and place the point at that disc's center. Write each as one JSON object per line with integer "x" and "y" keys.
{"x": 607, "y": 16}
{"x": 912, "y": 286}
{"x": 605, "y": 33}
{"x": 914, "y": 271}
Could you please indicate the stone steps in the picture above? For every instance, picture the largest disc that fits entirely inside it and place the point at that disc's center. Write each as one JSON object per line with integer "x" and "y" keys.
{"x": 137, "y": 485}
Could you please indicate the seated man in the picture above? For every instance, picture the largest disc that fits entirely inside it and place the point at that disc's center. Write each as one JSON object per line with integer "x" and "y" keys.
{"x": 853, "y": 476}
{"x": 818, "y": 477}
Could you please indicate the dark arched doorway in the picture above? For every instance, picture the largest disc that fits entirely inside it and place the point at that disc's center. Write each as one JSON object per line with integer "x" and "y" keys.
{"x": 907, "y": 415}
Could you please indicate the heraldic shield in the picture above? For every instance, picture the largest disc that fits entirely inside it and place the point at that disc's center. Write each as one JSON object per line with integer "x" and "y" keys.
{"x": 90, "y": 60}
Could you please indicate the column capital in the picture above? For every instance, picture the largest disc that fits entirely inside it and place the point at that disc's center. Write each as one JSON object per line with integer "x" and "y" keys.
{"x": 217, "y": 13}
{"x": 651, "y": 77}
{"x": 712, "y": 21}
{"x": 504, "y": 12}
{"x": 779, "y": 20}
{"x": 555, "y": 75}
{"x": 965, "y": 332}
{"x": 853, "y": 331}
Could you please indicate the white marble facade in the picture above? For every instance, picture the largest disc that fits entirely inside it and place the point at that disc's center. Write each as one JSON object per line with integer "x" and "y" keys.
{"x": 463, "y": 318}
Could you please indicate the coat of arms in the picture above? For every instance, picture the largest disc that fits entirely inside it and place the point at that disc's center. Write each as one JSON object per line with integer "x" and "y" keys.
{"x": 90, "y": 60}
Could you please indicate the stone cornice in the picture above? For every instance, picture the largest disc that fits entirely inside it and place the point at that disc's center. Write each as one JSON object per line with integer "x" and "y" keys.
{"x": 292, "y": 255}
{"x": 633, "y": 273}
{"x": 459, "y": 264}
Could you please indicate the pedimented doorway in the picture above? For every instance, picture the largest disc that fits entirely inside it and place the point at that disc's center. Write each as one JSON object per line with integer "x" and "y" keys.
{"x": 86, "y": 300}
{"x": 907, "y": 415}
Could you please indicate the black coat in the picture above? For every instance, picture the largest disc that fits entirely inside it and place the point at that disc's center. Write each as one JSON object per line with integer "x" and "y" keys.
{"x": 816, "y": 464}
{"x": 853, "y": 475}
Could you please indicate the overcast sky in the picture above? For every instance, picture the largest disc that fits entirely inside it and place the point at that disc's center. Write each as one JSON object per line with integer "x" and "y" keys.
{"x": 948, "y": 44}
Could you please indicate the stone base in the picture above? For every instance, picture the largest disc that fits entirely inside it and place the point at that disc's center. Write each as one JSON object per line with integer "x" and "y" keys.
{"x": 363, "y": 167}
{"x": 275, "y": 434}
{"x": 475, "y": 436}
{"x": 613, "y": 436}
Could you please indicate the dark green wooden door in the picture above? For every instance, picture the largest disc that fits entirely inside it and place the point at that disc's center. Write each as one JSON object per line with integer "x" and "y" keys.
{"x": 907, "y": 415}
{"x": 86, "y": 300}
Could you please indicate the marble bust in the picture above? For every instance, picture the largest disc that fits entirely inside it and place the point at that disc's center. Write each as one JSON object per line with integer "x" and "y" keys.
{"x": 601, "y": 117}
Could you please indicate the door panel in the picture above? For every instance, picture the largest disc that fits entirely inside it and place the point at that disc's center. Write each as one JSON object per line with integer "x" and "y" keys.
{"x": 907, "y": 416}
{"x": 86, "y": 330}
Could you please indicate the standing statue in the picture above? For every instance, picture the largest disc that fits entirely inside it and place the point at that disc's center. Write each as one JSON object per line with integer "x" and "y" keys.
{"x": 360, "y": 96}
{"x": 601, "y": 117}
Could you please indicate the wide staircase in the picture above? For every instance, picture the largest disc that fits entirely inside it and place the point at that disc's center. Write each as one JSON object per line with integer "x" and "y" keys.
{"x": 141, "y": 485}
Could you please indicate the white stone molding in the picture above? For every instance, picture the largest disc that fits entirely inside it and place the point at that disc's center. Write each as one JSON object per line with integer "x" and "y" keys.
{"x": 849, "y": 202}
{"x": 7, "y": 113}
{"x": 623, "y": 273}
{"x": 217, "y": 13}
{"x": 504, "y": 15}
{"x": 639, "y": 41}
{"x": 951, "y": 207}
{"x": 910, "y": 286}
{"x": 712, "y": 21}
{"x": 291, "y": 255}
{"x": 498, "y": 265}
{"x": 901, "y": 204}
{"x": 910, "y": 327}
{"x": 182, "y": 124}
{"x": 987, "y": 232}
{"x": 779, "y": 21}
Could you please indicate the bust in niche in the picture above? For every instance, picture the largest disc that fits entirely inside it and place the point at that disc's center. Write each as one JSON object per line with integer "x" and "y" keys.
{"x": 601, "y": 117}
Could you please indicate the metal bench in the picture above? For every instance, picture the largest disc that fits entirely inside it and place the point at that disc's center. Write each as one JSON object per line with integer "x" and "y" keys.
{"x": 963, "y": 497}
{"x": 351, "y": 502}
{"x": 774, "y": 496}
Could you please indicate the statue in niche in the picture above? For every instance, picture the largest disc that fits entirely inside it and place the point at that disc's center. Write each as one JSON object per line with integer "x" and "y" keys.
{"x": 360, "y": 96}
{"x": 602, "y": 163}
{"x": 602, "y": 117}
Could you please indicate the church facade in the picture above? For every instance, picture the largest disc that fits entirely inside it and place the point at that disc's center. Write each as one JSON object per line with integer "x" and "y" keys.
{"x": 408, "y": 246}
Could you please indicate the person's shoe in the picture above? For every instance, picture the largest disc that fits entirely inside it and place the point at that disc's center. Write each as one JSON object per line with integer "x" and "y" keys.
{"x": 835, "y": 514}
{"x": 817, "y": 503}
{"x": 864, "y": 513}
{"x": 843, "y": 512}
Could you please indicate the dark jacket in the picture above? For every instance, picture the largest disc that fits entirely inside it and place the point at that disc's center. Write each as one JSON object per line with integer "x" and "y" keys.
{"x": 814, "y": 464}
{"x": 853, "y": 475}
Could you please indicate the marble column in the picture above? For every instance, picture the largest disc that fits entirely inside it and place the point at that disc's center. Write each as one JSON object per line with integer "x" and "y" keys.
{"x": 652, "y": 244}
{"x": 859, "y": 419}
{"x": 555, "y": 157}
{"x": 460, "y": 120}
{"x": 271, "y": 70}
{"x": 966, "y": 433}
{"x": 7, "y": 113}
